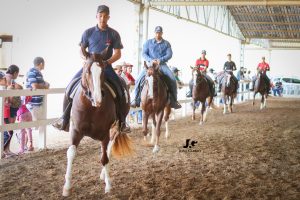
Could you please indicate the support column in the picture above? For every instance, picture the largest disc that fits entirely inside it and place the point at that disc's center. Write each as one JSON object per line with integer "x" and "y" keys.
{"x": 142, "y": 18}
{"x": 242, "y": 53}
{"x": 43, "y": 129}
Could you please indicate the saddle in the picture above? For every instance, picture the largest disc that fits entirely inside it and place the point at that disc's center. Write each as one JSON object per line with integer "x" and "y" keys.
{"x": 75, "y": 84}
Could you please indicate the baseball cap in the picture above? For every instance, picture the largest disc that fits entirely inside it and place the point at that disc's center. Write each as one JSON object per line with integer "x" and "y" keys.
{"x": 103, "y": 8}
{"x": 174, "y": 69}
{"x": 158, "y": 29}
{"x": 203, "y": 52}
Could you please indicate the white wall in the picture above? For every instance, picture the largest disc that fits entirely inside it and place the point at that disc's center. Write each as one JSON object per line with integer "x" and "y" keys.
{"x": 53, "y": 28}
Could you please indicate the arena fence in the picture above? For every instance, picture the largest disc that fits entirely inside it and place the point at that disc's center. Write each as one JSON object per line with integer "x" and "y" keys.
{"x": 243, "y": 95}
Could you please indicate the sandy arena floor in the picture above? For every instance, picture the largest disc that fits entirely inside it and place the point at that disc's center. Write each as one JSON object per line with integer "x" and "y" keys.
{"x": 250, "y": 154}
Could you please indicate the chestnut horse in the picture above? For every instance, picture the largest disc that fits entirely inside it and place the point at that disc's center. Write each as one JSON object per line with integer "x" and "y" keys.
{"x": 228, "y": 91}
{"x": 261, "y": 87}
{"x": 155, "y": 103}
{"x": 201, "y": 93}
{"x": 94, "y": 115}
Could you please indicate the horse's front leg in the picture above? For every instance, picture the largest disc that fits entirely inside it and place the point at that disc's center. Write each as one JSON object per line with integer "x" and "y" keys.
{"x": 254, "y": 93}
{"x": 265, "y": 102}
{"x": 153, "y": 126}
{"x": 194, "y": 108}
{"x": 262, "y": 101}
{"x": 106, "y": 146}
{"x": 224, "y": 104}
{"x": 202, "y": 117}
{"x": 231, "y": 103}
{"x": 71, "y": 153}
{"x": 145, "y": 124}
{"x": 159, "y": 117}
{"x": 166, "y": 119}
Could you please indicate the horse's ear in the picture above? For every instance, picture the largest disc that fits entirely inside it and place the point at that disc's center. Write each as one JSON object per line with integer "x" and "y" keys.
{"x": 145, "y": 65}
{"x": 191, "y": 67}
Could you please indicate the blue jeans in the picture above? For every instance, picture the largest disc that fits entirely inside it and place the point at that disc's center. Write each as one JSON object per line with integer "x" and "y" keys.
{"x": 166, "y": 71}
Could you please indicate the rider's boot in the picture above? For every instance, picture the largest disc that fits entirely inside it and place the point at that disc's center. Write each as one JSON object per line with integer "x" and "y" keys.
{"x": 63, "y": 123}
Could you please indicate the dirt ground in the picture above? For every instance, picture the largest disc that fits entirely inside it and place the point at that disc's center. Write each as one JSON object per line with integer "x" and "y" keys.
{"x": 250, "y": 154}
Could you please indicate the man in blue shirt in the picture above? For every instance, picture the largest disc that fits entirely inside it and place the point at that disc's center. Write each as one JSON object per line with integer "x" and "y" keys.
{"x": 35, "y": 80}
{"x": 158, "y": 51}
{"x": 96, "y": 40}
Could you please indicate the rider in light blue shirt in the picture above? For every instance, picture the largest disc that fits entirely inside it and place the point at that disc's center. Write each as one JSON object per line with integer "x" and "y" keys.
{"x": 159, "y": 51}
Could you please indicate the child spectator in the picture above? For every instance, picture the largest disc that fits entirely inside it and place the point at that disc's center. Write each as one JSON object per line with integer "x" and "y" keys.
{"x": 24, "y": 115}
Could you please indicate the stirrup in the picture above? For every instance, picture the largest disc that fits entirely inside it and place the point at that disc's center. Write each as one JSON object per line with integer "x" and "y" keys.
{"x": 124, "y": 128}
{"x": 60, "y": 124}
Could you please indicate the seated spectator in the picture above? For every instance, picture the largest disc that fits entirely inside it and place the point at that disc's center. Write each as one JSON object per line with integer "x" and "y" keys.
{"x": 277, "y": 88}
{"x": 176, "y": 74}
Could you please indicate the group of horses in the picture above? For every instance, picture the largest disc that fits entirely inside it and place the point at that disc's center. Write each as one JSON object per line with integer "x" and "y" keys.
{"x": 95, "y": 115}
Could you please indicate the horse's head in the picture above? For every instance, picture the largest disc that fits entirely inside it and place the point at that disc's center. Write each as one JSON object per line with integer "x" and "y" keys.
{"x": 197, "y": 74}
{"x": 93, "y": 78}
{"x": 151, "y": 70}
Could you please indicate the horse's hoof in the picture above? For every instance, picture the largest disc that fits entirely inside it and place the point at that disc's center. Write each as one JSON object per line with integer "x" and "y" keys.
{"x": 145, "y": 138}
{"x": 200, "y": 123}
{"x": 155, "y": 149}
{"x": 66, "y": 192}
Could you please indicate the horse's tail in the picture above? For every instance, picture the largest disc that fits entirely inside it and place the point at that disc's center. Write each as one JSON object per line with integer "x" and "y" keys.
{"x": 122, "y": 145}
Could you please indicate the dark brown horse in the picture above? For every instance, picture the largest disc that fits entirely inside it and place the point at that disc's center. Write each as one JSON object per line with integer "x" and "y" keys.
{"x": 261, "y": 87}
{"x": 201, "y": 93}
{"x": 94, "y": 115}
{"x": 228, "y": 91}
{"x": 155, "y": 103}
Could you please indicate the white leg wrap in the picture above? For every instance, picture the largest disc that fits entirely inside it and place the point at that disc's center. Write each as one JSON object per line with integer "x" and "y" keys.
{"x": 153, "y": 133}
{"x": 107, "y": 178}
{"x": 167, "y": 130}
{"x": 71, "y": 153}
{"x": 155, "y": 149}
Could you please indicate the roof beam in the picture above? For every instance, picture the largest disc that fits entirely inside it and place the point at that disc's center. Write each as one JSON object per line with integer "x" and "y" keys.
{"x": 226, "y": 3}
{"x": 270, "y": 31}
{"x": 270, "y": 37}
{"x": 268, "y": 23}
{"x": 265, "y": 14}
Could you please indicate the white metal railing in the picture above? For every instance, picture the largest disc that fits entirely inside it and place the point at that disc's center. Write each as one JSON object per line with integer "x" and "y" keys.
{"x": 243, "y": 95}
